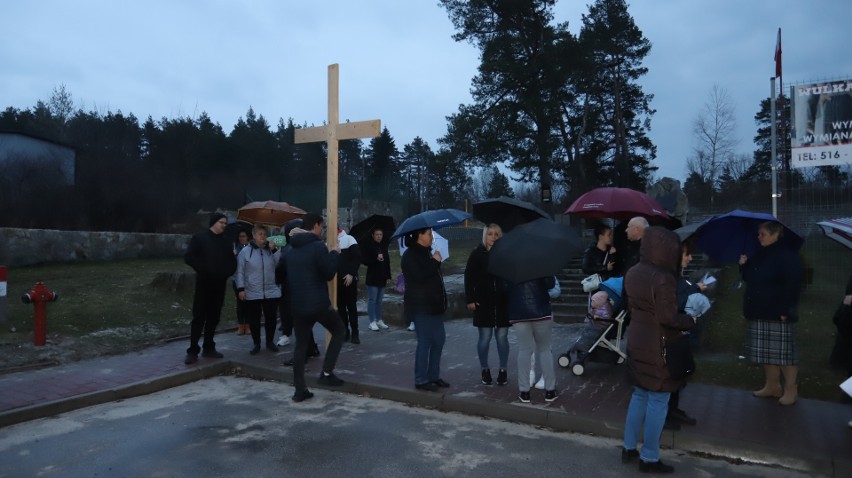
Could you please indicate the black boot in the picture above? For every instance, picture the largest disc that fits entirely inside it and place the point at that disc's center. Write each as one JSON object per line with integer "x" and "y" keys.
{"x": 355, "y": 339}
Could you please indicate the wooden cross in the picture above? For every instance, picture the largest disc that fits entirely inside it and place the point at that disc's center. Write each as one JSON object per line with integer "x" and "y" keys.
{"x": 331, "y": 133}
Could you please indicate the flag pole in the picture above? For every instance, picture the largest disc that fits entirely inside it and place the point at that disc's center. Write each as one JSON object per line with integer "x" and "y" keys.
{"x": 773, "y": 161}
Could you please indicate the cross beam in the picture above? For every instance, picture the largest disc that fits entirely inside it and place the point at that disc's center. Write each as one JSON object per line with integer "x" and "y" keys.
{"x": 331, "y": 133}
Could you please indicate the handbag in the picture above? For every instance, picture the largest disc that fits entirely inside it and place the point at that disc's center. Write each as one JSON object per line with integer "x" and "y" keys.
{"x": 678, "y": 356}
{"x": 591, "y": 283}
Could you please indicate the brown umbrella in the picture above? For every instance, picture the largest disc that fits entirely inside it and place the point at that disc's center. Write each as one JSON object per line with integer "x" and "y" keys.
{"x": 272, "y": 213}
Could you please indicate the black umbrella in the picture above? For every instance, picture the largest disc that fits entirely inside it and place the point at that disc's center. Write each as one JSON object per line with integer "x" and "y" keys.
{"x": 507, "y": 212}
{"x": 362, "y": 231}
{"x": 431, "y": 219}
{"x": 540, "y": 248}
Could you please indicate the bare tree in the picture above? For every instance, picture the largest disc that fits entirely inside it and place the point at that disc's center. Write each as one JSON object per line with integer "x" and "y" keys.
{"x": 714, "y": 134}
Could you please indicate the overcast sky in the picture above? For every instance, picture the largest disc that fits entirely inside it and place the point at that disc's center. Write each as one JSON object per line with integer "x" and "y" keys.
{"x": 398, "y": 62}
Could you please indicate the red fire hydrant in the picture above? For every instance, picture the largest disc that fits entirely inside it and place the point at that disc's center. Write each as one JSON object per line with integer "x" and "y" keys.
{"x": 39, "y": 296}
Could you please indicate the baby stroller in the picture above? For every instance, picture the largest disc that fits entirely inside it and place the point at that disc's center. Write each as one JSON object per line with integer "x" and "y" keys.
{"x": 600, "y": 340}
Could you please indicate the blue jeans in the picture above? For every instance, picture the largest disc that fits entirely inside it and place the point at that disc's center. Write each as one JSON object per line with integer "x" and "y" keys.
{"x": 430, "y": 343}
{"x": 650, "y": 408}
{"x": 375, "y": 294}
{"x": 484, "y": 343}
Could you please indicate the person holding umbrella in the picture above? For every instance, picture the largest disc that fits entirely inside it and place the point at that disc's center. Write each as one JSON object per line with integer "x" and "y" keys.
{"x": 773, "y": 279}
{"x": 255, "y": 280}
{"x": 599, "y": 258}
{"x": 425, "y": 303}
{"x": 487, "y": 301}
{"x": 377, "y": 260}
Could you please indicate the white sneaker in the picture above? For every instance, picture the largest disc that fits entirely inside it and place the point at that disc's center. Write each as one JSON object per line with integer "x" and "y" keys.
{"x": 411, "y": 327}
{"x": 374, "y": 327}
{"x": 540, "y": 384}
{"x": 382, "y": 324}
{"x": 283, "y": 340}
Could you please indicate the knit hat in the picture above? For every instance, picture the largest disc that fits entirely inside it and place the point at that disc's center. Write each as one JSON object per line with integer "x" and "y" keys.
{"x": 215, "y": 217}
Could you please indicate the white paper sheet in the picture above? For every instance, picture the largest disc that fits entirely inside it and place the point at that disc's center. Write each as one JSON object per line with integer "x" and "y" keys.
{"x": 847, "y": 386}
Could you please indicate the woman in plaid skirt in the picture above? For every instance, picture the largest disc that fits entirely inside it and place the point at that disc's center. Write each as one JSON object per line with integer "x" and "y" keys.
{"x": 773, "y": 280}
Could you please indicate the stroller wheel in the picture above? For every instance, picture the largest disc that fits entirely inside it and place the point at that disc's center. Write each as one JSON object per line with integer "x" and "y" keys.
{"x": 577, "y": 369}
{"x": 564, "y": 360}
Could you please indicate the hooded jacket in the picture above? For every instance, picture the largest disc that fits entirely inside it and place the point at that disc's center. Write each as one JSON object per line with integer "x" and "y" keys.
{"x": 486, "y": 291}
{"x": 307, "y": 268}
{"x": 256, "y": 272}
{"x": 652, "y": 287}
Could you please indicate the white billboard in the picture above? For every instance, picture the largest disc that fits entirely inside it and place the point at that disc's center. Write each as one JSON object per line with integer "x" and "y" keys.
{"x": 822, "y": 124}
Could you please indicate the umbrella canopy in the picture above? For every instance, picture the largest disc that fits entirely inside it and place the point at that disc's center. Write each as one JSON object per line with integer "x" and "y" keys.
{"x": 271, "y": 213}
{"x": 439, "y": 244}
{"x": 233, "y": 229}
{"x": 362, "y": 231}
{"x": 616, "y": 203}
{"x": 686, "y": 232}
{"x": 539, "y": 248}
{"x": 431, "y": 219}
{"x": 724, "y": 237}
{"x": 839, "y": 229}
{"x": 506, "y": 212}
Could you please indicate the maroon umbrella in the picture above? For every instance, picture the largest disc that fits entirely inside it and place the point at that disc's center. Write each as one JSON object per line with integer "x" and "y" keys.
{"x": 272, "y": 213}
{"x": 616, "y": 203}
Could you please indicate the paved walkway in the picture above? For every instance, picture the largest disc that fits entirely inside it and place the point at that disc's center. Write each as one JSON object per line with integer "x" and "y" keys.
{"x": 811, "y": 436}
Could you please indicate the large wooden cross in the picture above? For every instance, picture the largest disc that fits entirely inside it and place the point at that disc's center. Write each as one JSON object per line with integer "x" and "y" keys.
{"x": 331, "y": 133}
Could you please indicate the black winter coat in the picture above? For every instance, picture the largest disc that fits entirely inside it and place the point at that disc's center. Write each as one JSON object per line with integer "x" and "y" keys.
{"x": 482, "y": 288}
{"x": 773, "y": 280}
{"x": 350, "y": 261}
{"x": 529, "y": 300}
{"x": 211, "y": 255}
{"x": 308, "y": 267}
{"x": 593, "y": 262}
{"x": 378, "y": 272}
{"x": 424, "y": 284}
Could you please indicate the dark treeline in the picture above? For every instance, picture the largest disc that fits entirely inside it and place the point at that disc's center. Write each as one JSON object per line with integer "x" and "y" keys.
{"x": 155, "y": 176}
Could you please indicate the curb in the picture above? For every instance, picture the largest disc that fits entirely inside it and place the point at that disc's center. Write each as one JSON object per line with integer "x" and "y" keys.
{"x": 136, "y": 389}
{"x": 691, "y": 442}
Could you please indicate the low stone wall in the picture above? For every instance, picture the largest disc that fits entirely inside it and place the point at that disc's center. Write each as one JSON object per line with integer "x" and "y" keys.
{"x": 23, "y": 247}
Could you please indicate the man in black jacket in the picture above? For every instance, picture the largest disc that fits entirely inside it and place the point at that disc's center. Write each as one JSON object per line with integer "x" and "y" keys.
{"x": 308, "y": 268}
{"x": 212, "y": 257}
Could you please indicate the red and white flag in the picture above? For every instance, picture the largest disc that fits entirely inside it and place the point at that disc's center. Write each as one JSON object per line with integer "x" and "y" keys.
{"x": 778, "y": 55}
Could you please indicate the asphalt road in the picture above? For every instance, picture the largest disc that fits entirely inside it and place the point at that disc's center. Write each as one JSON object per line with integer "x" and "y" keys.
{"x": 238, "y": 427}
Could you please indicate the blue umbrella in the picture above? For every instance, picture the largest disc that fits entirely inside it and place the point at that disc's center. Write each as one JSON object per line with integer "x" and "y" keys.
{"x": 431, "y": 219}
{"x": 724, "y": 237}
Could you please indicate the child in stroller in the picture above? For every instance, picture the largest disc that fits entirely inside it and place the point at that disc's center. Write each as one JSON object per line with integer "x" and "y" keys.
{"x": 600, "y": 340}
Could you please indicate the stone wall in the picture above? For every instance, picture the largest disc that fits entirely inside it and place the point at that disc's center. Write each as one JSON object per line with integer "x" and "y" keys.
{"x": 23, "y": 247}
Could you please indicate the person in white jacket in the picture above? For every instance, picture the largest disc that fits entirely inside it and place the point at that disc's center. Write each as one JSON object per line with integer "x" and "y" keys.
{"x": 256, "y": 286}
